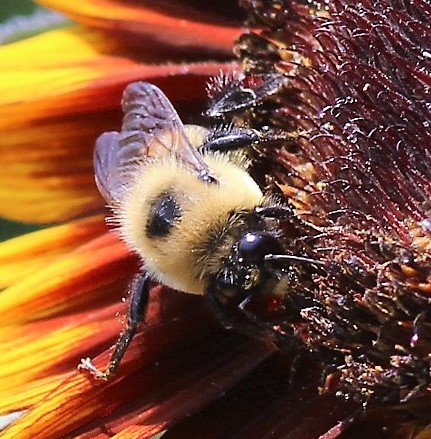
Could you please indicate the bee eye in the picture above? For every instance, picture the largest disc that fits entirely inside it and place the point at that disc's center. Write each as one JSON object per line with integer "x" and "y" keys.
{"x": 253, "y": 246}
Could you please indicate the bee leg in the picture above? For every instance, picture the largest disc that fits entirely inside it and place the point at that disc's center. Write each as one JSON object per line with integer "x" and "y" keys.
{"x": 219, "y": 311}
{"x": 228, "y": 323}
{"x": 276, "y": 211}
{"x": 230, "y": 140}
{"x": 284, "y": 212}
{"x": 266, "y": 330}
{"x": 416, "y": 391}
{"x": 138, "y": 304}
{"x": 252, "y": 327}
{"x": 250, "y": 316}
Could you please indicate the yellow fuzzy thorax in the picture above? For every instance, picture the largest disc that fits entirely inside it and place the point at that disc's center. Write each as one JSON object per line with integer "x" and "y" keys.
{"x": 174, "y": 259}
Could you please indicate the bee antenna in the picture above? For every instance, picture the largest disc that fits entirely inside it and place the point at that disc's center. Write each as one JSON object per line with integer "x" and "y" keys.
{"x": 294, "y": 259}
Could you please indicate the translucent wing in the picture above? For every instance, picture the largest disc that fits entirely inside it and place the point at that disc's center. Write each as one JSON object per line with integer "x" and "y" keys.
{"x": 106, "y": 170}
{"x": 151, "y": 129}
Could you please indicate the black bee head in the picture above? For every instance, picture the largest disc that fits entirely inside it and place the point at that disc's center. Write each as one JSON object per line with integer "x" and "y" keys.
{"x": 245, "y": 269}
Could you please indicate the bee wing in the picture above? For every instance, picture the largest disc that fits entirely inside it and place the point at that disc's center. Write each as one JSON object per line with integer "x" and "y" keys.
{"x": 151, "y": 129}
{"x": 106, "y": 170}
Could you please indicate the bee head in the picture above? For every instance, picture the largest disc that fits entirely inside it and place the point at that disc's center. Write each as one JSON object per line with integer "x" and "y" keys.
{"x": 245, "y": 269}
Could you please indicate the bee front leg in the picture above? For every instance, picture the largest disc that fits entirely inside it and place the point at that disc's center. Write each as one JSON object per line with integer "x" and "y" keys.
{"x": 277, "y": 211}
{"x": 231, "y": 138}
{"x": 139, "y": 291}
{"x": 285, "y": 212}
{"x": 219, "y": 311}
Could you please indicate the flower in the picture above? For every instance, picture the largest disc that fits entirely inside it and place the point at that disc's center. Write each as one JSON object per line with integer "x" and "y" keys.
{"x": 352, "y": 112}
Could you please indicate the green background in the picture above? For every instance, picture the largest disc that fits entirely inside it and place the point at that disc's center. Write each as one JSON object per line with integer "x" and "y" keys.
{"x": 13, "y": 7}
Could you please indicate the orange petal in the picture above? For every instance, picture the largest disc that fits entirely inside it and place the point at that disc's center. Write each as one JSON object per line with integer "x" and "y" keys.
{"x": 155, "y": 386}
{"x": 29, "y": 253}
{"x": 54, "y": 106}
{"x": 38, "y": 356}
{"x": 65, "y": 283}
{"x": 191, "y": 29}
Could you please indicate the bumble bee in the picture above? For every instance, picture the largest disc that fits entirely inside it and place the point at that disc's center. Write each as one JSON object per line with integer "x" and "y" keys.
{"x": 196, "y": 217}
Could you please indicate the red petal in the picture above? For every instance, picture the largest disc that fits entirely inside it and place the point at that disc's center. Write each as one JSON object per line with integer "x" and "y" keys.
{"x": 190, "y": 30}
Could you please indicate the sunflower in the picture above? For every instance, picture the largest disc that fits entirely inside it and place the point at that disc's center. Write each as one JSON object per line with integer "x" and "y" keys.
{"x": 353, "y": 163}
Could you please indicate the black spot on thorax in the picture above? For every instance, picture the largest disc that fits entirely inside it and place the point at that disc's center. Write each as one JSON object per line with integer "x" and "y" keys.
{"x": 164, "y": 212}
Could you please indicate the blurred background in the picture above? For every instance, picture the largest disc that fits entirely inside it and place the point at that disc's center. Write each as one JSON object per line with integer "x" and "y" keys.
{"x": 10, "y": 8}
{"x": 20, "y": 19}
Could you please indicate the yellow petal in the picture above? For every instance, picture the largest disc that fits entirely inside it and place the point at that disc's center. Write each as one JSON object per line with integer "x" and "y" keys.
{"x": 54, "y": 106}
{"x": 66, "y": 283}
{"x": 29, "y": 253}
{"x": 39, "y": 356}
